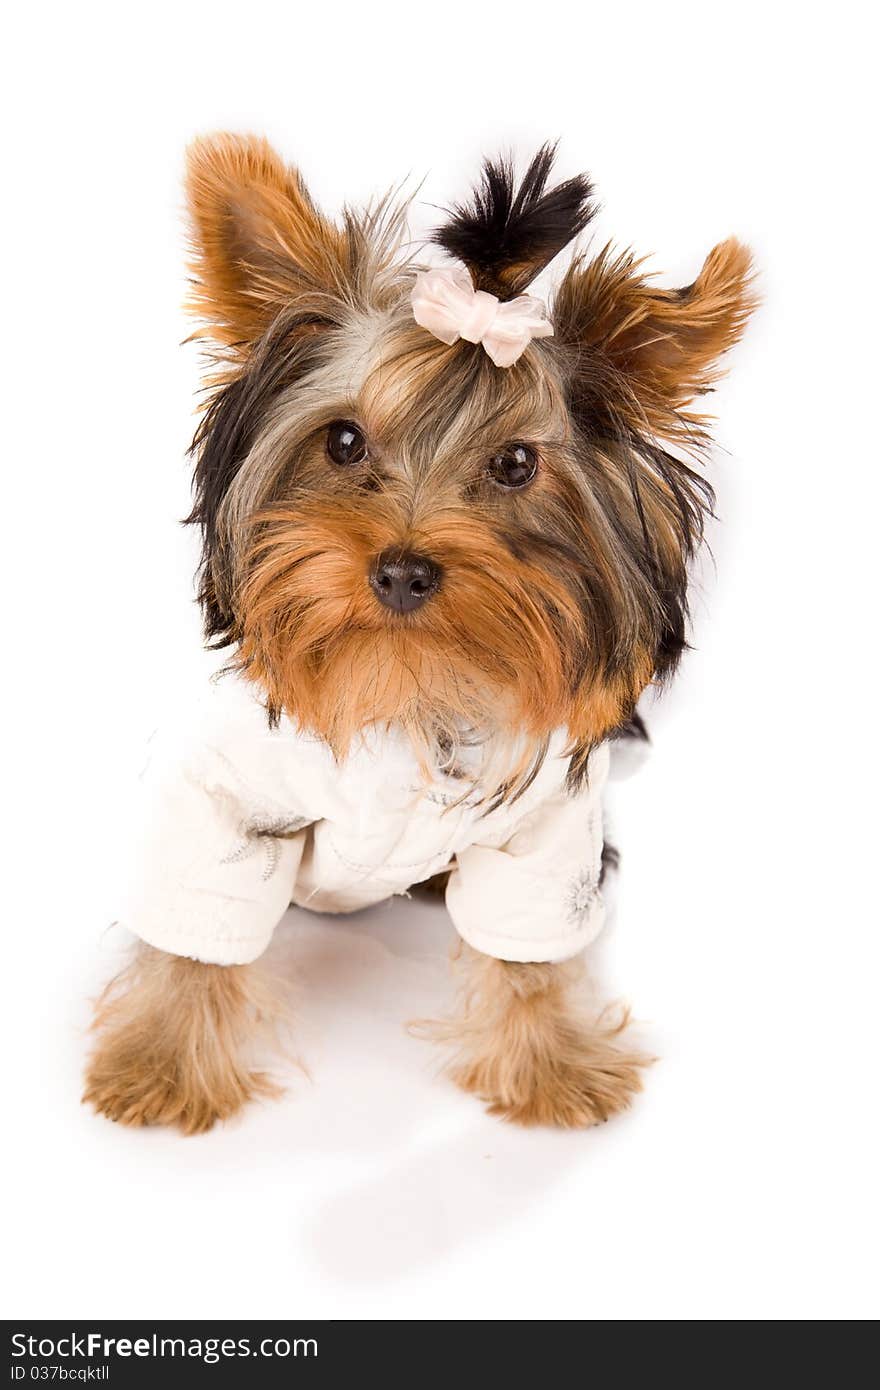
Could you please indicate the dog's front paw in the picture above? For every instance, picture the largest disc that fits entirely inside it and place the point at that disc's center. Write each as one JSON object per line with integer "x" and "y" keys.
{"x": 525, "y": 1047}
{"x": 154, "y": 1091}
{"x": 134, "y": 1094}
{"x": 173, "y": 1039}
{"x": 572, "y": 1080}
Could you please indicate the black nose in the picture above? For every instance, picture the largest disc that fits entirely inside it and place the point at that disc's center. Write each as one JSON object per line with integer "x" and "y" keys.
{"x": 402, "y": 581}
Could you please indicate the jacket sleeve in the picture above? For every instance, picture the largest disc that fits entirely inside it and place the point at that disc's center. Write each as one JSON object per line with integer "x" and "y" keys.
{"x": 212, "y": 867}
{"x": 536, "y": 897}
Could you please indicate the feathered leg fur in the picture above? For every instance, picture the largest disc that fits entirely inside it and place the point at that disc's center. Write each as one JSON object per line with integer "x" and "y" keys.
{"x": 525, "y": 1046}
{"x": 173, "y": 1039}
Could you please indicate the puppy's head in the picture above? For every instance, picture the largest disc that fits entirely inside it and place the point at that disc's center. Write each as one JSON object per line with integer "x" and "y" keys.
{"x": 400, "y": 530}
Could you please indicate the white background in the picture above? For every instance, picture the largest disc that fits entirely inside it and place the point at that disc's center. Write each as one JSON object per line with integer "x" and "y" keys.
{"x": 743, "y": 1185}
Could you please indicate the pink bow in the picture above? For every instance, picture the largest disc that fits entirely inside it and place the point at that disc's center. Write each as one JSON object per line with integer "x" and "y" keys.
{"x": 445, "y": 302}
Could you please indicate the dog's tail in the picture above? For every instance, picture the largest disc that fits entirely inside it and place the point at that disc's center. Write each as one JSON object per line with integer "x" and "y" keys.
{"x": 632, "y": 728}
{"x": 630, "y": 742}
{"x": 610, "y": 861}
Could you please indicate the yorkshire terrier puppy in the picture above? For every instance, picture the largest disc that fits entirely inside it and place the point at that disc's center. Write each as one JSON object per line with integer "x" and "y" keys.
{"x": 446, "y": 536}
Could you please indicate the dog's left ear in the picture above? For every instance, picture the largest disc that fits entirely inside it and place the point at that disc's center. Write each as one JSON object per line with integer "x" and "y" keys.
{"x": 258, "y": 241}
{"x": 659, "y": 348}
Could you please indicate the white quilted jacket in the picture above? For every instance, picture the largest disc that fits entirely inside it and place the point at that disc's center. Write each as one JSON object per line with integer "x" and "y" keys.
{"x": 239, "y": 820}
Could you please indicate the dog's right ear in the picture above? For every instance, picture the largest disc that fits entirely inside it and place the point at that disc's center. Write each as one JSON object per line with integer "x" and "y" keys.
{"x": 258, "y": 241}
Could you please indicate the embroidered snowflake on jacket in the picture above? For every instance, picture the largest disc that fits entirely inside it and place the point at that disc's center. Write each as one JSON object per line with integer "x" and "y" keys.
{"x": 581, "y": 896}
{"x": 262, "y": 833}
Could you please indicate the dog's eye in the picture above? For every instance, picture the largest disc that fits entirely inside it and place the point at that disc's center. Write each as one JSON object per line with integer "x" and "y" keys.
{"x": 515, "y": 466}
{"x": 346, "y": 444}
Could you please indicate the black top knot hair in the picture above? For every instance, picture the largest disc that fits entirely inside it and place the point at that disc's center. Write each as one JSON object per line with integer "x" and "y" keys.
{"x": 507, "y": 235}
